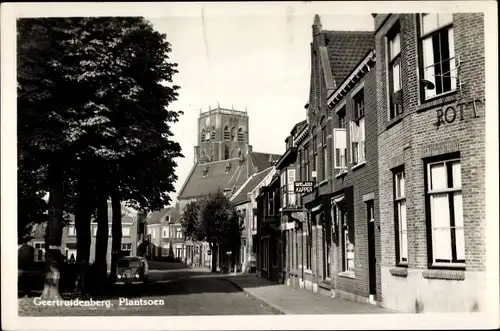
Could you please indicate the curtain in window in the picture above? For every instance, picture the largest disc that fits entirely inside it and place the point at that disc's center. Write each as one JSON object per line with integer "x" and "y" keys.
{"x": 440, "y": 218}
{"x": 403, "y": 230}
{"x": 361, "y": 138}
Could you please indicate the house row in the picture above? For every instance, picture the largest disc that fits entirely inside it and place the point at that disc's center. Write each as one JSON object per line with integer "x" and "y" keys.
{"x": 379, "y": 196}
{"x": 129, "y": 246}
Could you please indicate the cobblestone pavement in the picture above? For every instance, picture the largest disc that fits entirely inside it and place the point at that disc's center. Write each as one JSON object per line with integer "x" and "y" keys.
{"x": 171, "y": 293}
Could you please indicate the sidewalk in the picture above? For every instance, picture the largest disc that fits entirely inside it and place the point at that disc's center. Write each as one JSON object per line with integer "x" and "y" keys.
{"x": 298, "y": 301}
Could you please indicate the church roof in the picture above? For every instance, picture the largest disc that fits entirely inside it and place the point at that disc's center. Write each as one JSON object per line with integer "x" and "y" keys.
{"x": 230, "y": 174}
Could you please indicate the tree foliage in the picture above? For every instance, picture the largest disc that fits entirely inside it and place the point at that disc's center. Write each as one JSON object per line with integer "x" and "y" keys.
{"x": 93, "y": 109}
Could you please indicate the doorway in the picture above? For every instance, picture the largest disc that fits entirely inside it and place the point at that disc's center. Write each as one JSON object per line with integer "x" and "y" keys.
{"x": 372, "y": 261}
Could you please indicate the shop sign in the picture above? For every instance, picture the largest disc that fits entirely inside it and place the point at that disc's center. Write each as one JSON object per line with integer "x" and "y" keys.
{"x": 450, "y": 113}
{"x": 303, "y": 187}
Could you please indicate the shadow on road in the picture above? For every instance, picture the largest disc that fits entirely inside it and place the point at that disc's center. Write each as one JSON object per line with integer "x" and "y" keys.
{"x": 167, "y": 279}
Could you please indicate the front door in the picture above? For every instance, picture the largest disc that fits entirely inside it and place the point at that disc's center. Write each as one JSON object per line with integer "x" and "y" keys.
{"x": 371, "y": 249}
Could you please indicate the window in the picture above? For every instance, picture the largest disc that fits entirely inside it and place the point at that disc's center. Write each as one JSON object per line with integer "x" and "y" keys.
{"x": 233, "y": 133}
{"x": 438, "y": 53}
{"x": 317, "y": 146}
{"x": 165, "y": 249}
{"x": 226, "y": 153}
{"x": 212, "y": 134}
{"x": 178, "y": 233}
{"x": 254, "y": 222}
{"x": 240, "y": 135}
{"x": 165, "y": 232}
{"x": 359, "y": 105}
{"x": 283, "y": 188}
{"x": 207, "y": 135}
{"x": 308, "y": 250}
{"x": 227, "y": 135}
{"x": 270, "y": 203}
{"x": 71, "y": 231}
{"x": 347, "y": 247}
{"x": 291, "y": 197}
{"x": 110, "y": 231}
{"x": 126, "y": 231}
{"x": 394, "y": 71}
{"x": 340, "y": 155}
{"x": 126, "y": 247}
{"x": 400, "y": 218}
{"x": 39, "y": 252}
{"x": 300, "y": 165}
{"x": 202, "y": 135}
{"x": 178, "y": 252}
{"x": 445, "y": 214}
{"x": 341, "y": 118}
{"x": 150, "y": 231}
{"x": 324, "y": 173}
{"x": 307, "y": 169}
{"x": 358, "y": 131}
{"x": 94, "y": 230}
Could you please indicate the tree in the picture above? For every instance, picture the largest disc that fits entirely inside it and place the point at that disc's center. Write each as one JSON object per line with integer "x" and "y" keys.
{"x": 213, "y": 219}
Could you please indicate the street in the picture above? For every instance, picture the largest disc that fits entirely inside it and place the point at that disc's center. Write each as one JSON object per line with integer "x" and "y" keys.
{"x": 171, "y": 292}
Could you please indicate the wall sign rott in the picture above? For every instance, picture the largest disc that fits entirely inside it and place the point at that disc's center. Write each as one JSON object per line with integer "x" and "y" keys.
{"x": 450, "y": 113}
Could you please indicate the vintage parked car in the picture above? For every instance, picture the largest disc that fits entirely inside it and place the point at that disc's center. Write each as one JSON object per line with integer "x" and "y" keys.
{"x": 132, "y": 269}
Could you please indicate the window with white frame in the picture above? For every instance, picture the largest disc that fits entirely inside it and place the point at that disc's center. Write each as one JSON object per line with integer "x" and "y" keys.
{"x": 291, "y": 197}
{"x": 394, "y": 71}
{"x": 400, "y": 218}
{"x": 357, "y": 130}
{"x": 438, "y": 53}
{"x": 71, "y": 231}
{"x": 270, "y": 203}
{"x": 178, "y": 233}
{"x": 39, "y": 252}
{"x": 445, "y": 217}
{"x": 340, "y": 156}
{"x": 126, "y": 231}
{"x": 283, "y": 188}
{"x": 165, "y": 232}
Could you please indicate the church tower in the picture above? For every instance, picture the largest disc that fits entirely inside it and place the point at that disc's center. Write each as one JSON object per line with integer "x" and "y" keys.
{"x": 222, "y": 134}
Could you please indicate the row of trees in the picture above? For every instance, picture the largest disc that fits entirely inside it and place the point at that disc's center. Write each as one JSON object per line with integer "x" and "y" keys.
{"x": 93, "y": 125}
{"x": 214, "y": 219}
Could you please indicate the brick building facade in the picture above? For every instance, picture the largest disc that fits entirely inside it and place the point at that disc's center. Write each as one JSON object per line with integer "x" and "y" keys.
{"x": 431, "y": 127}
{"x": 355, "y": 227}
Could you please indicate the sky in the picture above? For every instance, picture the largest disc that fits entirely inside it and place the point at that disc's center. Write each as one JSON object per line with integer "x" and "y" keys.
{"x": 256, "y": 62}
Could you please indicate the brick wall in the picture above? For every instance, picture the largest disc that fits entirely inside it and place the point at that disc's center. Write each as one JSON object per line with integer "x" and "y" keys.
{"x": 415, "y": 136}
{"x": 364, "y": 181}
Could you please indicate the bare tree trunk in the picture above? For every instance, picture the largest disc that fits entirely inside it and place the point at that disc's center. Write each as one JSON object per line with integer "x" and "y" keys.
{"x": 53, "y": 236}
{"x": 101, "y": 238}
{"x": 213, "y": 249}
{"x": 83, "y": 219}
{"x": 116, "y": 229}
